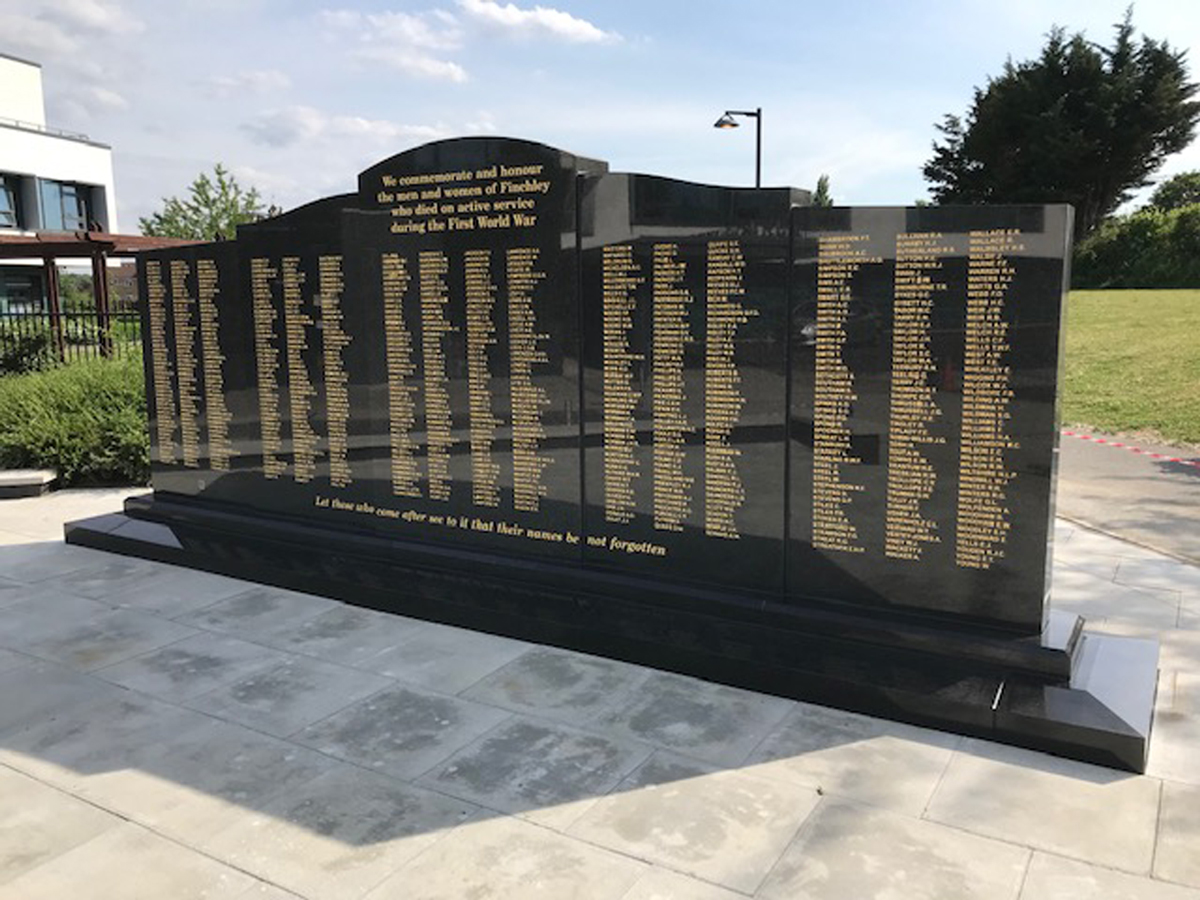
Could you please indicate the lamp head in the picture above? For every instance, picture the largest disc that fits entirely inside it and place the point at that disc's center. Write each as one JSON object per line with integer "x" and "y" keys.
{"x": 726, "y": 121}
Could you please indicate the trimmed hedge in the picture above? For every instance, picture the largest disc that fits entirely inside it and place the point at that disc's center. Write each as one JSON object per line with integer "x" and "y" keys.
{"x": 87, "y": 420}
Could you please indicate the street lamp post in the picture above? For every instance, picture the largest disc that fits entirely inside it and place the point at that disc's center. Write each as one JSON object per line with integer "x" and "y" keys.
{"x": 728, "y": 121}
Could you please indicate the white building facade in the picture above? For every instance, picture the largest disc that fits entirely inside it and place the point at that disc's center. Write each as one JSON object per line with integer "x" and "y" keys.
{"x": 50, "y": 180}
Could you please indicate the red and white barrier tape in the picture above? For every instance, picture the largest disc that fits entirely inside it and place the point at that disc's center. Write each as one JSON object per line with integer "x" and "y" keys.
{"x": 1111, "y": 443}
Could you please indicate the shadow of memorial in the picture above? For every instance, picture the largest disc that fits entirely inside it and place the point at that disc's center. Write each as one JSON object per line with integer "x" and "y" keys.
{"x": 181, "y": 771}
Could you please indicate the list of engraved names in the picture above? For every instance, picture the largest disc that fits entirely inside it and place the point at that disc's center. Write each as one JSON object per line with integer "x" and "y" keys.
{"x": 910, "y": 475}
{"x": 160, "y": 363}
{"x": 528, "y": 397}
{"x": 216, "y": 411}
{"x": 401, "y": 372}
{"x": 185, "y": 362}
{"x": 723, "y": 399}
{"x": 481, "y": 335}
{"x": 621, "y": 279}
{"x": 296, "y": 323}
{"x": 331, "y": 283}
{"x": 671, "y": 300}
{"x": 838, "y": 259}
{"x": 263, "y": 276}
{"x": 983, "y": 476}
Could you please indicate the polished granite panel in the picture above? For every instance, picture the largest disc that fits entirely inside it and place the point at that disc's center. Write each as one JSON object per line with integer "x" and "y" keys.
{"x": 806, "y": 450}
{"x": 923, "y": 438}
{"x": 684, "y": 320}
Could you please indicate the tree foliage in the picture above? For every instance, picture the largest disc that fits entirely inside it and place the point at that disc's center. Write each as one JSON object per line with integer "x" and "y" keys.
{"x": 821, "y": 196}
{"x": 1150, "y": 248}
{"x": 212, "y": 210}
{"x": 1182, "y": 190}
{"x": 1081, "y": 124}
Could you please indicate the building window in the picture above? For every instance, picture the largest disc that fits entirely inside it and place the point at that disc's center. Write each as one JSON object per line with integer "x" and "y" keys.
{"x": 65, "y": 206}
{"x": 9, "y": 217}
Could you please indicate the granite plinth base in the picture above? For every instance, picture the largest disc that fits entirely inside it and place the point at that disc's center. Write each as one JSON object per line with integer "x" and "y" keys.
{"x": 1080, "y": 695}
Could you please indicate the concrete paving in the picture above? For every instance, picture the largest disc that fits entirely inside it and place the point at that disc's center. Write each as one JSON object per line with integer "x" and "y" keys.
{"x": 167, "y": 733}
{"x": 1138, "y": 496}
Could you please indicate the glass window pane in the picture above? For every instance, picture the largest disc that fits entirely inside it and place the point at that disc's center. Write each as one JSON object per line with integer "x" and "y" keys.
{"x": 52, "y": 211}
{"x": 8, "y": 204}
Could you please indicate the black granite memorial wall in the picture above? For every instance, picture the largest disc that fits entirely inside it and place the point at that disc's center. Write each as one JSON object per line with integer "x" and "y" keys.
{"x": 806, "y": 450}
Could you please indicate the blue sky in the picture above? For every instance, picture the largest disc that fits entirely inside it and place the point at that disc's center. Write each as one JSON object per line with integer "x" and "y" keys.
{"x": 298, "y": 97}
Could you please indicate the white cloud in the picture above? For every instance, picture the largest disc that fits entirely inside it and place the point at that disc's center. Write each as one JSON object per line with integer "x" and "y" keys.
{"x": 413, "y": 44}
{"x": 540, "y": 20}
{"x": 303, "y": 124}
{"x": 253, "y": 81}
{"x": 101, "y": 16}
{"x": 411, "y": 63}
{"x": 60, "y": 31}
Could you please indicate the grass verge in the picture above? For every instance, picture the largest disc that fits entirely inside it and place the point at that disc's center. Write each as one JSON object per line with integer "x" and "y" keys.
{"x": 1132, "y": 362}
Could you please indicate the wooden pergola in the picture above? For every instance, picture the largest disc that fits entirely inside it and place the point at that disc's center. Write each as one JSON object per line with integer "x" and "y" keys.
{"x": 98, "y": 246}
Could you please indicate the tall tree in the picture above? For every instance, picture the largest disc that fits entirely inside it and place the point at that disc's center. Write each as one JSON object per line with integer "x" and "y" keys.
{"x": 213, "y": 209}
{"x": 1182, "y": 190}
{"x": 1081, "y": 124}
{"x": 821, "y": 196}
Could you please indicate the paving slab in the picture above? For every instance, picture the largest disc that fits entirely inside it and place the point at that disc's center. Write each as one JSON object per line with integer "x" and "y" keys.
{"x": 81, "y": 747}
{"x": 1079, "y": 810}
{"x": 44, "y": 616}
{"x": 264, "y": 891}
{"x": 258, "y": 612}
{"x": 348, "y": 635}
{"x": 14, "y": 592}
{"x": 1175, "y": 735}
{"x": 38, "y": 822}
{"x": 284, "y": 698}
{"x": 39, "y": 690}
{"x": 848, "y": 850}
{"x": 1148, "y": 500}
{"x": 35, "y": 561}
{"x": 559, "y": 684}
{"x": 445, "y": 659}
{"x": 401, "y": 731}
{"x": 870, "y": 760}
{"x": 165, "y": 590}
{"x": 96, "y": 582}
{"x": 1080, "y": 592}
{"x": 711, "y": 722}
{"x": 42, "y": 518}
{"x": 107, "y": 637}
{"x": 1178, "y": 854}
{"x": 11, "y": 659}
{"x": 719, "y": 825}
{"x": 1070, "y": 879}
{"x": 193, "y": 784}
{"x": 340, "y": 834}
{"x": 131, "y": 863}
{"x": 663, "y": 884}
{"x": 546, "y": 772}
{"x": 1163, "y": 574}
{"x": 1087, "y": 544}
{"x": 191, "y": 667}
{"x": 508, "y": 859}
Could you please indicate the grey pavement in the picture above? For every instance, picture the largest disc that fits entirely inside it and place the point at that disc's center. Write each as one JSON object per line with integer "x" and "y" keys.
{"x": 1134, "y": 496}
{"x": 172, "y": 734}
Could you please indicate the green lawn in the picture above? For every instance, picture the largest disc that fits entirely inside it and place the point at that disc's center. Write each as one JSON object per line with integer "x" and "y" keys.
{"x": 1133, "y": 362}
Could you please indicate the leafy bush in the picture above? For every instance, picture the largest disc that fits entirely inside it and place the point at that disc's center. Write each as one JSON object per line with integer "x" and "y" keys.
{"x": 87, "y": 420}
{"x": 25, "y": 348}
{"x": 1150, "y": 248}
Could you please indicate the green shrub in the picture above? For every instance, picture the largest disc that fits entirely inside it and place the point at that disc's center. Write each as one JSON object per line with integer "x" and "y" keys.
{"x": 25, "y": 348}
{"x": 87, "y": 420}
{"x": 1150, "y": 248}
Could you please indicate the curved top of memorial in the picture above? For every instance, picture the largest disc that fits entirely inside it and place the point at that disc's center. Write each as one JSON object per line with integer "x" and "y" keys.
{"x": 456, "y": 160}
